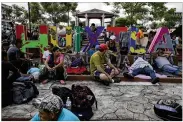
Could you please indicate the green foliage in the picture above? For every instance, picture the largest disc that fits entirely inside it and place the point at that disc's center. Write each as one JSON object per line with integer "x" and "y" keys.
{"x": 151, "y": 11}
{"x": 35, "y": 12}
{"x": 58, "y": 11}
{"x": 157, "y": 10}
{"x": 122, "y": 22}
{"x": 171, "y": 18}
{"x": 8, "y": 12}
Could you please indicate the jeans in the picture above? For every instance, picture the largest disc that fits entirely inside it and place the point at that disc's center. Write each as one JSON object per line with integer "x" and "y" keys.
{"x": 171, "y": 69}
{"x": 59, "y": 74}
{"x": 146, "y": 70}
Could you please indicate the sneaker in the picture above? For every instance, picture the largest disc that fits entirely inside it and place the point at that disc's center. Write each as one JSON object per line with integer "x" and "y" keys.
{"x": 117, "y": 80}
{"x": 155, "y": 80}
{"x": 128, "y": 75}
{"x": 45, "y": 81}
{"x": 62, "y": 82}
{"x": 106, "y": 83}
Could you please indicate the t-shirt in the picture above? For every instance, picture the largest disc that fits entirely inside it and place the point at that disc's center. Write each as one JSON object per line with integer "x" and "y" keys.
{"x": 140, "y": 34}
{"x": 140, "y": 63}
{"x": 53, "y": 62}
{"x": 13, "y": 53}
{"x": 161, "y": 61}
{"x": 97, "y": 59}
{"x": 46, "y": 54}
{"x": 65, "y": 115}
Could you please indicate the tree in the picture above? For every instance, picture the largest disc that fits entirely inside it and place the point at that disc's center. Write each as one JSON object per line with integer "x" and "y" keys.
{"x": 8, "y": 12}
{"x": 36, "y": 12}
{"x": 17, "y": 12}
{"x": 121, "y": 22}
{"x": 157, "y": 10}
{"x": 57, "y": 11}
{"x": 171, "y": 18}
{"x": 154, "y": 25}
{"x": 135, "y": 11}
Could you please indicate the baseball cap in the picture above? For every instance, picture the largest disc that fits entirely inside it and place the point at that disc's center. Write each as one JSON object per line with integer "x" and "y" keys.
{"x": 52, "y": 103}
{"x": 103, "y": 47}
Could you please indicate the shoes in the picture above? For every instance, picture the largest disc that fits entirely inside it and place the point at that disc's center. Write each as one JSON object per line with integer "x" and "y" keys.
{"x": 62, "y": 82}
{"x": 45, "y": 81}
{"x": 128, "y": 75}
{"x": 155, "y": 80}
{"x": 106, "y": 83}
{"x": 117, "y": 80}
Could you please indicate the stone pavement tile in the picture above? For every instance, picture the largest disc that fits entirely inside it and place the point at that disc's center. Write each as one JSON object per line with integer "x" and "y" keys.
{"x": 140, "y": 99}
{"x": 135, "y": 107}
{"x": 98, "y": 115}
{"x": 115, "y": 102}
{"x": 140, "y": 117}
{"x": 150, "y": 113}
{"x": 120, "y": 104}
{"x": 122, "y": 99}
{"x": 124, "y": 114}
{"x": 109, "y": 109}
{"x": 110, "y": 116}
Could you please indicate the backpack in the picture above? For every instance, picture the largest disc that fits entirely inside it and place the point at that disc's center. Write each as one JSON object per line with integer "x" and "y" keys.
{"x": 82, "y": 101}
{"x": 62, "y": 92}
{"x": 168, "y": 110}
{"x": 24, "y": 91}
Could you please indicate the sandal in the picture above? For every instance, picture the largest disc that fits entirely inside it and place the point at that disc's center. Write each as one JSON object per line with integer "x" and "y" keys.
{"x": 62, "y": 82}
{"x": 45, "y": 81}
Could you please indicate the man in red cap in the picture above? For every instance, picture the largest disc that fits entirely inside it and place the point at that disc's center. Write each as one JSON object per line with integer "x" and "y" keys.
{"x": 101, "y": 68}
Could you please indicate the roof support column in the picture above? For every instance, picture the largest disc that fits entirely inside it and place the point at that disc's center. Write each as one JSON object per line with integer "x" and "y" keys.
{"x": 113, "y": 22}
{"x": 76, "y": 21}
{"x": 103, "y": 17}
{"x": 86, "y": 17}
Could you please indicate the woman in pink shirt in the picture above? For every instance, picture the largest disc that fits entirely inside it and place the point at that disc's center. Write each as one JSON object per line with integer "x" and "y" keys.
{"x": 54, "y": 63}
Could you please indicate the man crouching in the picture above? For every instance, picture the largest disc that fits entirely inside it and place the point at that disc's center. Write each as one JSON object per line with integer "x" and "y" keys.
{"x": 101, "y": 68}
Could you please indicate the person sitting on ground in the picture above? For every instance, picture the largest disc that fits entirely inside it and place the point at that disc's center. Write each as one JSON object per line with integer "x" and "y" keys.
{"x": 93, "y": 28}
{"x": 98, "y": 69}
{"x": 17, "y": 58}
{"x": 140, "y": 66}
{"x": 163, "y": 63}
{"x": 54, "y": 63}
{"x": 34, "y": 71}
{"x": 7, "y": 79}
{"x": 51, "y": 109}
{"x": 175, "y": 43}
{"x": 91, "y": 51}
{"x": 47, "y": 52}
{"x": 139, "y": 36}
{"x": 114, "y": 50}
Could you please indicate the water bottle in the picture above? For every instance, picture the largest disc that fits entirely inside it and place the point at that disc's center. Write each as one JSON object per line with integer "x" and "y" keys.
{"x": 68, "y": 103}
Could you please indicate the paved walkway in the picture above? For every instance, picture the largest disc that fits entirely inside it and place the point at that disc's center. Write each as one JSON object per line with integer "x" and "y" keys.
{"x": 120, "y": 101}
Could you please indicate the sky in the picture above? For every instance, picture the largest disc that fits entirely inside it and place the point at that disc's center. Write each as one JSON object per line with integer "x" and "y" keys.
{"x": 87, "y": 6}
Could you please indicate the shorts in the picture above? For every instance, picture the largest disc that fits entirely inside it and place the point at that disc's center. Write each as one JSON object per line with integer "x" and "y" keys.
{"x": 97, "y": 73}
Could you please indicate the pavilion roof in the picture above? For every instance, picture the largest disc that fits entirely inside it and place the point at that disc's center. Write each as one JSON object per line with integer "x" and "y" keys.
{"x": 95, "y": 14}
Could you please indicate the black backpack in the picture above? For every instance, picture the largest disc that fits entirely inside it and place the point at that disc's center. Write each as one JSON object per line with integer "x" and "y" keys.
{"x": 62, "y": 92}
{"x": 24, "y": 91}
{"x": 82, "y": 101}
{"x": 168, "y": 110}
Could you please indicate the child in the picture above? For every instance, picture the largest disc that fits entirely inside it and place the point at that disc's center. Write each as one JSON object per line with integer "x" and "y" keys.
{"x": 91, "y": 51}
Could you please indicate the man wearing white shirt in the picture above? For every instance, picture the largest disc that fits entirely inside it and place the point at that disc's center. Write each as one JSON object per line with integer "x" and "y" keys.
{"x": 140, "y": 66}
{"x": 47, "y": 52}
